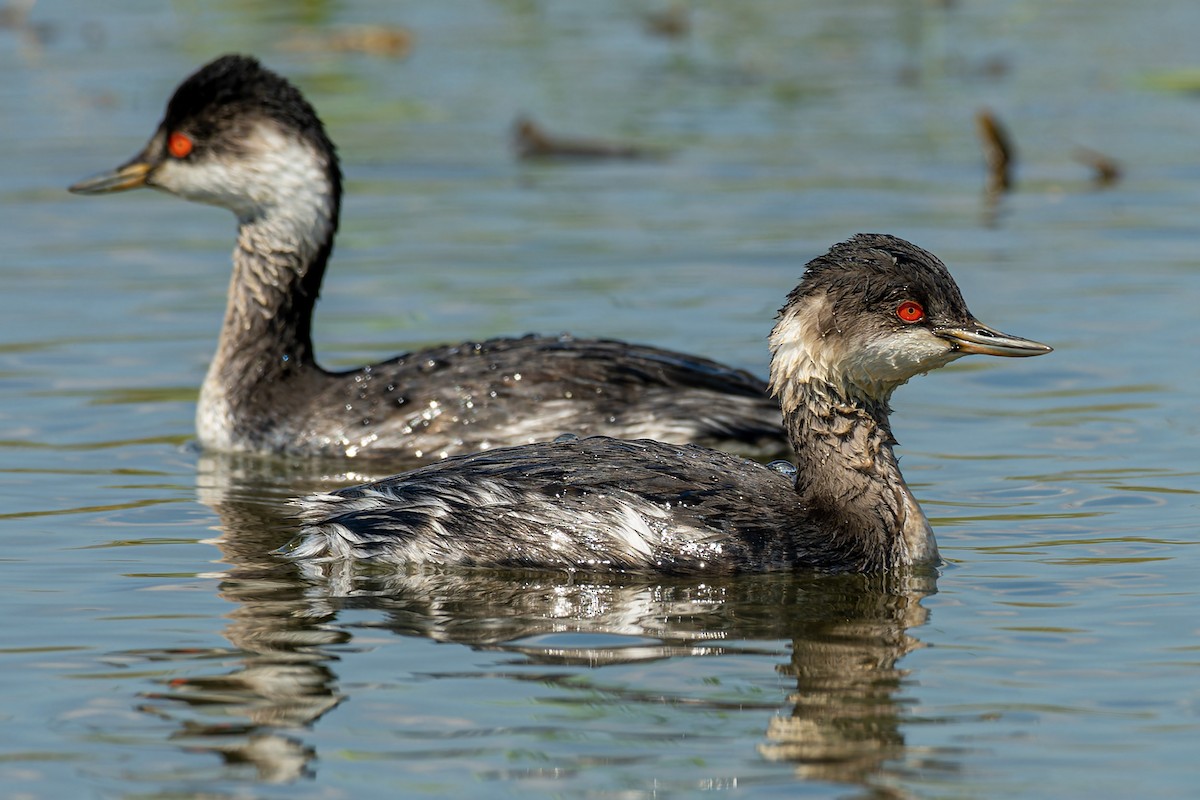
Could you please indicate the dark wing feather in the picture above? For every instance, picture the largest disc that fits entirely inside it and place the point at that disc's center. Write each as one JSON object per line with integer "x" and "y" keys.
{"x": 588, "y": 503}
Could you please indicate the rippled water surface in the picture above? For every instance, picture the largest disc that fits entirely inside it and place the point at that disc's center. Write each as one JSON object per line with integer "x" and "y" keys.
{"x": 150, "y": 646}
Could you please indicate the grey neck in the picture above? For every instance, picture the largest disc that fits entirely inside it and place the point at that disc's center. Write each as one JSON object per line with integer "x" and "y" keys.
{"x": 849, "y": 480}
{"x": 272, "y": 295}
{"x": 266, "y": 339}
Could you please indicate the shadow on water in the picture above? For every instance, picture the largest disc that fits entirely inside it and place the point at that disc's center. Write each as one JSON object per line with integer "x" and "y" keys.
{"x": 840, "y": 718}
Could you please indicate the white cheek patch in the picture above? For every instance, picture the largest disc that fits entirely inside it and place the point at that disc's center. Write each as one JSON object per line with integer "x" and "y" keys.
{"x": 807, "y": 346}
{"x": 276, "y": 176}
{"x": 800, "y": 350}
{"x": 883, "y": 364}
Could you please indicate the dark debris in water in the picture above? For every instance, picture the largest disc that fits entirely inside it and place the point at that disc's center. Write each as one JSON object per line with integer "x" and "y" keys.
{"x": 673, "y": 22}
{"x": 1105, "y": 170}
{"x": 531, "y": 141}
{"x": 998, "y": 151}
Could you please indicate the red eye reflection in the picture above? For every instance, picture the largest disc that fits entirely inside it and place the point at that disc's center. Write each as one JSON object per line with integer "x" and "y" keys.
{"x": 910, "y": 311}
{"x": 179, "y": 144}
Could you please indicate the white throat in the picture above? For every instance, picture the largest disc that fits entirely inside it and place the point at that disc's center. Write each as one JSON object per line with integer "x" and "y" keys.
{"x": 811, "y": 345}
{"x": 277, "y": 182}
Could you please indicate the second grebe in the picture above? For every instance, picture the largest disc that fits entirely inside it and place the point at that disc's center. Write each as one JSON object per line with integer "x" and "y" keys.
{"x": 239, "y": 136}
{"x": 867, "y": 316}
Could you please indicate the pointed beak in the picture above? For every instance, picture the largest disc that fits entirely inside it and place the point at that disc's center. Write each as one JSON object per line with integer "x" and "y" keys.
{"x": 979, "y": 338}
{"x": 131, "y": 175}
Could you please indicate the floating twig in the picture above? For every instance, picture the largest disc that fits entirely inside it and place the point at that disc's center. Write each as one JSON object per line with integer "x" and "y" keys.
{"x": 670, "y": 23}
{"x": 1105, "y": 170}
{"x": 531, "y": 141}
{"x": 998, "y": 151}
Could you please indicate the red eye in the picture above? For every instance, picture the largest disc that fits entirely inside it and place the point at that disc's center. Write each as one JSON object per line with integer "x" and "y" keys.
{"x": 179, "y": 144}
{"x": 910, "y": 311}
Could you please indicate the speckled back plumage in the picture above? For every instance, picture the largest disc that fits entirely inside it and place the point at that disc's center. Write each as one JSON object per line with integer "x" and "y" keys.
{"x": 432, "y": 403}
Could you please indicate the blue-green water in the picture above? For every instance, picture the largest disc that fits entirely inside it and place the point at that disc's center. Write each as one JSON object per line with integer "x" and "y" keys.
{"x": 151, "y": 647}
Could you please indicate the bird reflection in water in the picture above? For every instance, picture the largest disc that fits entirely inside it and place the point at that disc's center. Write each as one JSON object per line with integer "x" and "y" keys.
{"x": 842, "y": 722}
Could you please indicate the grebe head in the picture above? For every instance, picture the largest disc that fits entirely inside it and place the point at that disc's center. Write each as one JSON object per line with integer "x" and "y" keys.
{"x": 870, "y": 314}
{"x": 239, "y": 136}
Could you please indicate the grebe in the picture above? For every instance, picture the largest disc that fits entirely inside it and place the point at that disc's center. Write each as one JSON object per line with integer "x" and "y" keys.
{"x": 868, "y": 315}
{"x": 239, "y": 136}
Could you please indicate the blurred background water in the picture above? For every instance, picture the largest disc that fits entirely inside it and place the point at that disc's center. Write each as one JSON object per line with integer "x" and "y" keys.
{"x": 151, "y": 647}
